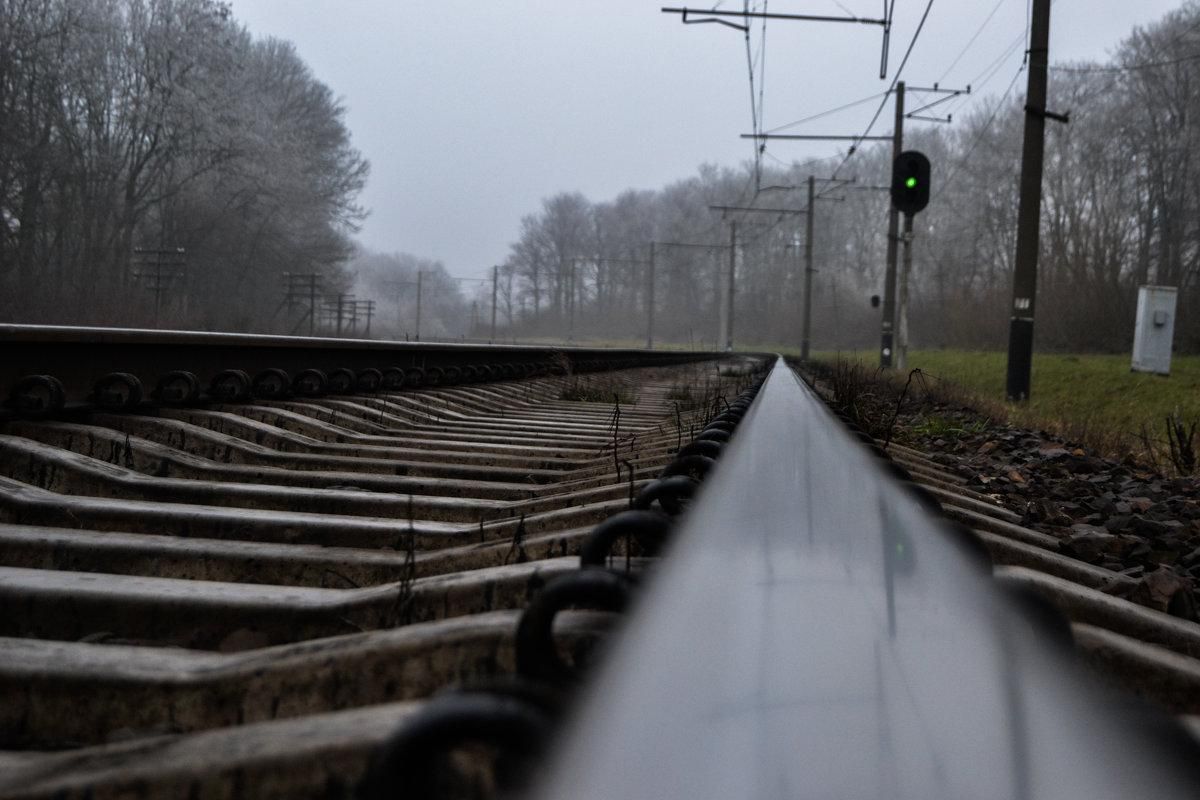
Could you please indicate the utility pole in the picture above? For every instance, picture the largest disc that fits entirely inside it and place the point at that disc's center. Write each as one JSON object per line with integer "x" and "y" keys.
{"x": 418, "y": 325}
{"x": 312, "y": 304}
{"x": 161, "y": 280}
{"x": 887, "y": 338}
{"x": 650, "y": 300}
{"x": 727, "y": 329}
{"x": 370, "y": 309}
{"x": 347, "y": 314}
{"x": 495, "y": 291}
{"x": 729, "y": 289}
{"x": 716, "y": 275}
{"x": 901, "y": 341}
{"x": 571, "y": 303}
{"x": 574, "y": 261}
{"x": 808, "y": 268}
{"x": 1020, "y": 326}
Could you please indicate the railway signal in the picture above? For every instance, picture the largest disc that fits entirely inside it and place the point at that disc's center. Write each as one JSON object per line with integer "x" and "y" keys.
{"x": 910, "y": 182}
{"x": 910, "y": 195}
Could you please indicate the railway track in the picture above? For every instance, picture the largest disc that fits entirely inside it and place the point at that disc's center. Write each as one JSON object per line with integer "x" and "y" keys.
{"x": 242, "y": 595}
{"x": 251, "y": 567}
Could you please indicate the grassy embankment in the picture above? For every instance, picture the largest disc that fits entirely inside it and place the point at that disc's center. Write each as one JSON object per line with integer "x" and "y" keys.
{"x": 1093, "y": 399}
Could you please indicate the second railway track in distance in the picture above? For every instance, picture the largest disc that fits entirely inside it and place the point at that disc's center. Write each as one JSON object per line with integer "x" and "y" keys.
{"x": 243, "y": 595}
{"x": 242, "y": 567}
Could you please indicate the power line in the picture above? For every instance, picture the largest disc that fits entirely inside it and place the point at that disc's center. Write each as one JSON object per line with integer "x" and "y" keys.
{"x": 895, "y": 80}
{"x": 1129, "y": 68}
{"x": 971, "y": 41}
{"x": 827, "y": 113}
{"x": 979, "y": 136}
{"x": 989, "y": 72}
{"x": 994, "y": 66}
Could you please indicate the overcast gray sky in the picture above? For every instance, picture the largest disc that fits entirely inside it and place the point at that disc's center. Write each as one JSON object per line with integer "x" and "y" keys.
{"x": 472, "y": 112}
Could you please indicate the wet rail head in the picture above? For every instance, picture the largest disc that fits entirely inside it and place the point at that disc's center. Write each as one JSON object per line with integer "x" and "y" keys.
{"x": 825, "y": 637}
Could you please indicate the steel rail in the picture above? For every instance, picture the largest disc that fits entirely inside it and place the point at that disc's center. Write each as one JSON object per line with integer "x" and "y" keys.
{"x": 815, "y": 632}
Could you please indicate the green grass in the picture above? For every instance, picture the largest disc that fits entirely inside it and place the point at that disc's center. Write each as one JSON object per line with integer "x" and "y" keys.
{"x": 1094, "y": 398}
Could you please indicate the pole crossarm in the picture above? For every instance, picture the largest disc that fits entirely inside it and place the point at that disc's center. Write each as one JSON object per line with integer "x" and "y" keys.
{"x": 748, "y": 15}
{"x": 950, "y": 94}
{"x": 939, "y": 89}
{"x": 724, "y": 22}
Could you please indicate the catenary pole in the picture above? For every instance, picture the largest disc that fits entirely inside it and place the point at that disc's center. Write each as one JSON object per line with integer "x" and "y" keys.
{"x": 808, "y": 268}
{"x": 887, "y": 338}
{"x": 417, "y": 327}
{"x": 1020, "y": 326}
{"x": 650, "y": 300}
{"x": 902, "y": 300}
{"x": 729, "y": 289}
{"x": 495, "y": 291}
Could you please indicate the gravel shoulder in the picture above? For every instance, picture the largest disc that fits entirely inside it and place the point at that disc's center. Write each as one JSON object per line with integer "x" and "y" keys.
{"x": 1119, "y": 515}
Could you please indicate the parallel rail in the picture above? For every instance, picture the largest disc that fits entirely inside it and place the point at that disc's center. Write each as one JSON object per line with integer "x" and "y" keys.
{"x": 243, "y": 597}
{"x": 81, "y": 357}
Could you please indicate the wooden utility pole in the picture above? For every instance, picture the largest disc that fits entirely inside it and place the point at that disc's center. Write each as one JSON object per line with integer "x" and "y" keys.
{"x": 716, "y": 275}
{"x": 726, "y": 331}
{"x": 905, "y": 273}
{"x": 887, "y": 338}
{"x": 650, "y": 300}
{"x": 495, "y": 291}
{"x": 806, "y": 322}
{"x": 169, "y": 264}
{"x": 370, "y": 309}
{"x": 1020, "y": 326}
{"x": 417, "y": 330}
{"x": 730, "y": 286}
{"x": 341, "y": 299}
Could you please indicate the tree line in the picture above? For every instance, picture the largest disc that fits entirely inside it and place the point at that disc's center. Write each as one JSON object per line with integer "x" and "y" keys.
{"x": 1121, "y": 209}
{"x": 158, "y": 163}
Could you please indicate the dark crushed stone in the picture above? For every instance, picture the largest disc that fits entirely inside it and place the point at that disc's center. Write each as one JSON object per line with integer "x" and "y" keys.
{"x": 1120, "y": 515}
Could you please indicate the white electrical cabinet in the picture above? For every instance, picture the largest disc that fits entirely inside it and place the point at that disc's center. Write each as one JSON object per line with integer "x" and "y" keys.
{"x": 1154, "y": 329}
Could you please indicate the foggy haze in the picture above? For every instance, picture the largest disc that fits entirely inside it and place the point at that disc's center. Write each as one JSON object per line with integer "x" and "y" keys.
{"x": 471, "y": 113}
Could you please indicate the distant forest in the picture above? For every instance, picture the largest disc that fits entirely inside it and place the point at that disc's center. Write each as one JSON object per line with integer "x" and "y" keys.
{"x": 159, "y": 165}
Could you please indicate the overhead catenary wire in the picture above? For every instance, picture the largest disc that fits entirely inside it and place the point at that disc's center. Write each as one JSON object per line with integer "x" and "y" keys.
{"x": 895, "y": 79}
{"x": 826, "y": 113}
{"x": 946, "y": 182}
{"x": 1129, "y": 67}
{"x": 988, "y": 73}
{"x": 971, "y": 41}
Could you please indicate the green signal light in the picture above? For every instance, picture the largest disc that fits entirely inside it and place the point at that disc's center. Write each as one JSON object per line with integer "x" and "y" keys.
{"x": 910, "y": 183}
